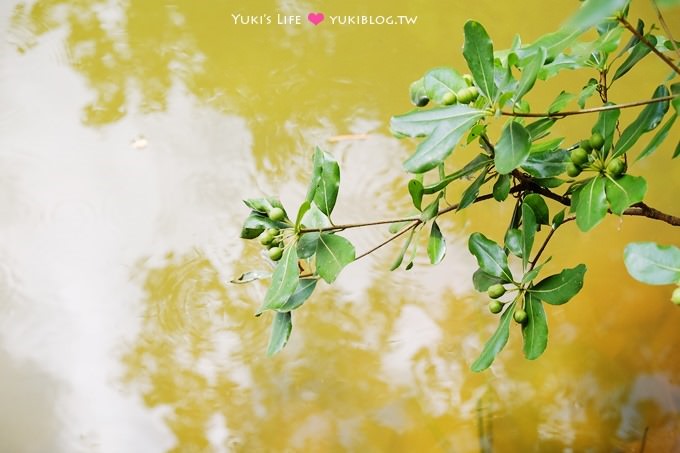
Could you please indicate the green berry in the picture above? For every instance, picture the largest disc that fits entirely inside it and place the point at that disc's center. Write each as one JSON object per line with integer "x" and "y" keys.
{"x": 495, "y": 307}
{"x": 422, "y": 101}
{"x": 474, "y": 92}
{"x": 464, "y": 95}
{"x": 468, "y": 79}
{"x": 276, "y": 214}
{"x": 579, "y": 156}
{"x": 449, "y": 98}
{"x": 573, "y": 170}
{"x": 520, "y": 316}
{"x": 273, "y": 231}
{"x": 275, "y": 253}
{"x": 496, "y": 291}
{"x": 616, "y": 167}
{"x": 675, "y": 298}
{"x": 585, "y": 144}
{"x": 266, "y": 238}
{"x": 596, "y": 140}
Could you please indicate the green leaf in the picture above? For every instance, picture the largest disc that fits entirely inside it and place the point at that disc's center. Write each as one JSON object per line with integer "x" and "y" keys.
{"x": 546, "y": 146}
{"x": 592, "y": 12}
{"x": 535, "y": 329}
{"x": 436, "y": 246}
{"x": 329, "y": 183}
{"x": 528, "y": 233}
{"x": 512, "y": 148}
{"x": 317, "y": 167}
{"x": 652, "y": 263}
{"x": 256, "y": 223}
{"x": 659, "y": 138}
{"x": 513, "y": 241}
{"x": 587, "y": 92}
{"x": 480, "y": 161}
{"x": 284, "y": 281}
{"x": 633, "y": 39}
{"x": 417, "y": 92}
{"x": 415, "y": 188}
{"x": 304, "y": 207}
{"x": 261, "y": 205}
{"x": 605, "y": 125}
{"x": 558, "y": 219}
{"x": 400, "y": 258}
{"x": 470, "y": 194}
{"x": 501, "y": 188}
{"x": 591, "y": 207}
{"x": 496, "y": 343}
{"x": 490, "y": 256}
{"x": 304, "y": 289}
{"x": 333, "y": 253}
{"x": 478, "y": 52}
{"x": 307, "y": 244}
{"x": 539, "y": 129}
{"x": 430, "y": 212}
{"x": 640, "y": 50}
{"x": 530, "y": 72}
{"x": 440, "y": 81}
{"x": 676, "y": 153}
{"x": 445, "y": 127}
{"x": 540, "y": 208}
{"x": 560, "y": 288}
{"x": 281, "y": 329}
{"x": 533, "y": 273}
{"x": 560, "y": 102}
{"x": 546, "y": 164}
{"x": 675, "y": 102}
{"x": 647, "y": 120}
{"x": 482, "y": 281}
{"x": 314, "y": 218}
{"x": 625, "y": 191}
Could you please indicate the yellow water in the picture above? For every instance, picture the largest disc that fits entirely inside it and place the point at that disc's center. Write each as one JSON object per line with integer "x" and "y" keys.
{"x": 129, "y": 132}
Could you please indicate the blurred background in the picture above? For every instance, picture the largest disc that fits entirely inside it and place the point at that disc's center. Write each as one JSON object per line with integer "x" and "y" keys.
{"x": 129, "y": 133}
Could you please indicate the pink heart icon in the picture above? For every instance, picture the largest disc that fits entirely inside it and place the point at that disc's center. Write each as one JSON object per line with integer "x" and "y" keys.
{"x": 315, "y": 18}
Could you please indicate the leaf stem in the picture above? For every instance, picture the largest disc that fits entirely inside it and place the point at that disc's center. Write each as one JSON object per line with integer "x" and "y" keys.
{"x": 590, "y": 110}
{"x": 653, "y": 48}
{"x": 545, "y": 242}
{"x": 391, "y": 238}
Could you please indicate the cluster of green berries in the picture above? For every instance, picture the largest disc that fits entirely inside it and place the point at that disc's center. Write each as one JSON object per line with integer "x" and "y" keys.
{"x": 271, "y": 237}
{"x": 496, "y": 306}
{"x": 464, "y": 95}
{"x": 589, "y": 155}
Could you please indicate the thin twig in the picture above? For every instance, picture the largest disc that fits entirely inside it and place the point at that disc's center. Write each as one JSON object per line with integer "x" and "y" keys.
{"x": 653, "y": 48}
{"x": 547, "y": 239}
{"x": 665, "y": 27}
{"x": 390, "y": 239}
{"x": 604, "y": 108}
{"x": 356, "y": 225}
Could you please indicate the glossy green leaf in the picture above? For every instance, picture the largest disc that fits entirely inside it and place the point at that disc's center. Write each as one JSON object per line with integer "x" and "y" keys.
{"x": 633, "y": 39}
{"x": 496, "y": 343}
{"x": 317, "y": 168}
{"x": 430, "y": 212}
{"x": 490, "y": 256}
{"x": 512, "y": 148}
{"x": 333, "y": 253}
{"x": 658, "y": 138}
{"x": 540, "y": 208}
{"x": 482, "y": 281}
{"x": 647, "y": 120}
{"x": 261, "y": 205}
{"x": 587, "y": 92}
{"x": 436, "y": 246}
{"x": 400, "y": 257}
{"x": 445, "y": 127}
{"x": 606, "y": 125}
{"x": 415, "y": 189}
{"x": 501, "y": 188}
{"x": 546, "y": 145}
{"x": 539, "y": 129}
{"x": 314, "y": 218}
{"x": 284, "y": 281}
{"x": 478, "y": 52}
{"x": 282, "y": 326}
{"x": 529, "y": 73}
{"x": 440, "y": 81}
{"x": 591, "y": 207}
{"x": 304, "y": 289}
{"x": 676, "y": 153}
{"x": 307, "y": 244}
{"x": 558, "y": 289}
{"x": 535, "y": 329}
{"x": 592, "y": 12}
{"x": 560, "y": 102}
{"x": 558, "y": 219}
{"x": 304, "y": 207}
{"x": 480, "y": 161}
{"x": 652, "y": 263}
{"x": 256, "y": 223}
{"x": 513, "y": 241}
{"x": 625, "y": 191}
{"x": 528, "y": 233}
{"x": 329, "y": 184}
{"x": 640, "y": 50}
{"x": 546, "y": 164}
{"x": 470, "y": 194}
{"x": 675, "y": 102}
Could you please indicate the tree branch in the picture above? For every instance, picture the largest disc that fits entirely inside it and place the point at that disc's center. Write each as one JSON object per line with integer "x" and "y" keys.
{"x": 643, "y": 210}
{"x": 665, "y": 26}
{"x": 653, "y": 48}
{"x": 604, "y": 108}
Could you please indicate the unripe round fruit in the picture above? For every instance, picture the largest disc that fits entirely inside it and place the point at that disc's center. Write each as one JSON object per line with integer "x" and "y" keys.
{"x": 266, "y": 238}
{"x": 616, "y": 167}
{"x": 579, "y": 156}
{"x": 675, "y": 298}
{"x": 464, "y": 95}
{"x": 585, "y": 144}
{"x": 275, "y": 253}
{"x": 520, "y": 316}
{"x": 468, "y": 79}
{"x": 596, "y": 140}
{"x": 495, "y": 307}
{"x": 474, "y": 92}
{"x": 422, "y": 101}
{"x": 496, "y": 291}
{"x": 449, "y": 98}
{"x": 273, "y": 231}
{"x": 276, "y": 214}
{"x": 573, "y": 170}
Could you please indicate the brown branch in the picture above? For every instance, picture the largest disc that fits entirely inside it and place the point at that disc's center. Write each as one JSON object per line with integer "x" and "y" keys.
{"x": 604, "y": 108}
{"x": 643, "y": 210}
{"x": 390, "y": 239}
{"x": 653, "y": 48}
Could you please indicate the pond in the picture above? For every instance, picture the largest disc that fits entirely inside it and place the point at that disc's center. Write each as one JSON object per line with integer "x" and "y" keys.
{"x": 130, "y": 131}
